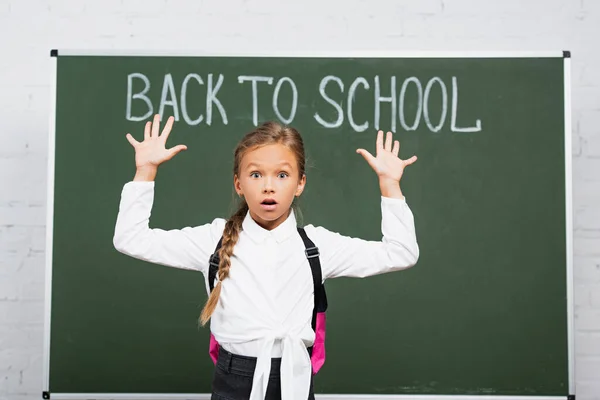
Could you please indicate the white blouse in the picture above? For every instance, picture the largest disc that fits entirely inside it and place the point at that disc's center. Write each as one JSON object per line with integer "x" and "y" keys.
{"x": 266, "y": 303}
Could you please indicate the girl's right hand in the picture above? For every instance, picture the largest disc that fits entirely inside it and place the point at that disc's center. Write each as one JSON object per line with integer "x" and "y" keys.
{"x": 152, "y": 152}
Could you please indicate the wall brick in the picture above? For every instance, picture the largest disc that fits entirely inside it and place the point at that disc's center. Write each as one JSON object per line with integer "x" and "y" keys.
{"x": 594, "y": 296}
{"x": 585, "y": 193}
{"x": 22, "y": 312}
{"x": 586, "y": 244}
{"x": 592, "y": 146}
{"x": 587, "y": 270}
{"x": 588, "y": 390}
{"x": 585, "y": 169}
{"x": 589, "y": 368}
{"x": 588, "y": 123}
{"x": 588, "y": 320}
{"x": 587, "y": 217}
{"x": 587, "y": 344}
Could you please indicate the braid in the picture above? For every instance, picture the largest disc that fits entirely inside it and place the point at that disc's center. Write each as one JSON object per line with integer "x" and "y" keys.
{"x": 231, "y": 234}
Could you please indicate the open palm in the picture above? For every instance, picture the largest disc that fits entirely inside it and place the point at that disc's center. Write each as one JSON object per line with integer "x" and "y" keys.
{"x": 152, "y": 151}
{"x": 386, "y": 164}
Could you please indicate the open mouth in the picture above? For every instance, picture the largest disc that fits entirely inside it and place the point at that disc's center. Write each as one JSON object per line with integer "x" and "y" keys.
{"x": 268, "y": 204}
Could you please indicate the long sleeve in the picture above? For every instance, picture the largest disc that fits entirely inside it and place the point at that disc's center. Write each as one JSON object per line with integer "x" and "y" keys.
{"x": 355, "y": 257}
{"x": 187, "y": 248}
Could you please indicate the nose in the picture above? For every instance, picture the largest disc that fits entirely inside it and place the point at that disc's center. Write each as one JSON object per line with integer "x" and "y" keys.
{"x": 268, "y": 185}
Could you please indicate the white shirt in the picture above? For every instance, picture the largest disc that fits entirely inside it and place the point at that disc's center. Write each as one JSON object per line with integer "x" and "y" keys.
{"x": 266, "y": 303}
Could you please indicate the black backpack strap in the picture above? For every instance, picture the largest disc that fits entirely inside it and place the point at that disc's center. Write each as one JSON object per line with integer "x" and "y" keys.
{"x": 213, "y": 265}
{"x": 312, "y": 253}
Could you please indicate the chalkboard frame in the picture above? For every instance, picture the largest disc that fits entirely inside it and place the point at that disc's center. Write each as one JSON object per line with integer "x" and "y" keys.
{"x": 566, "y": 55}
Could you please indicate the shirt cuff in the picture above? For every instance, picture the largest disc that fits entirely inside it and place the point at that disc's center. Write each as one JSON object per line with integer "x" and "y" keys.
{"x": 140, "y": 183}
{"x": 392, "y": 201}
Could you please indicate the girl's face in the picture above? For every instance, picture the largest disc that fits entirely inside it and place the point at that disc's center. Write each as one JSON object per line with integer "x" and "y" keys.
{"x": 269, "y": 179}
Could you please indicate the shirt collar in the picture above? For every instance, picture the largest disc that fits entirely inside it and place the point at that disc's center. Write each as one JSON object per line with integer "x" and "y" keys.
{"x": 258, "y": 234}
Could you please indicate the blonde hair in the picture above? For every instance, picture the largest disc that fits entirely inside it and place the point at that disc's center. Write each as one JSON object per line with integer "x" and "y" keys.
{"x": 266, "y": 134}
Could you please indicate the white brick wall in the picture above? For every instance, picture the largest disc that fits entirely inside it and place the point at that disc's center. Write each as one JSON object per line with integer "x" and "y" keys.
{"x": 30, "y": 28}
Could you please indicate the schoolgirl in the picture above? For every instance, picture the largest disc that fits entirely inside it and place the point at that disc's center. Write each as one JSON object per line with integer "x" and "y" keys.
{"x": 262, "y": 303}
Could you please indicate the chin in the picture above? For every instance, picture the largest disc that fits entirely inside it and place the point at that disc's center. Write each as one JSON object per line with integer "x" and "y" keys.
{"x": 269, "y": 216}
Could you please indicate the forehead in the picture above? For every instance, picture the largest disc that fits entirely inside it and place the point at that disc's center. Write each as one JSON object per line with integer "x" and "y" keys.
{"x": 270, "y": 155}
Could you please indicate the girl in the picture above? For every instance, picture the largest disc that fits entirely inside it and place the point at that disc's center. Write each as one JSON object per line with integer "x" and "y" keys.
{"x": 261, "y": 306}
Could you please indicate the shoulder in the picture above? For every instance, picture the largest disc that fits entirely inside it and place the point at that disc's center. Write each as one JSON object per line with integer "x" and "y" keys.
{"x": 216, "y": 227}
{"x": 219, "y": 223}
{"x": 207, "y": 235}
{"x": 320, "y": 235}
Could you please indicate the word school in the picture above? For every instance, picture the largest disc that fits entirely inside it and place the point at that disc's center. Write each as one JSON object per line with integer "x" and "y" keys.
{"x": 333, "y": 90}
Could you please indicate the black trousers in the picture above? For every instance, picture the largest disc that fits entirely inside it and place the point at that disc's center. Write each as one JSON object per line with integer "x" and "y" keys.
{"x": 233, "y": 374}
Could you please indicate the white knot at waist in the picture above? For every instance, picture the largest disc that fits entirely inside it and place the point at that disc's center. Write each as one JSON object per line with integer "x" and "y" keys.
{"x": 295, "y": 368}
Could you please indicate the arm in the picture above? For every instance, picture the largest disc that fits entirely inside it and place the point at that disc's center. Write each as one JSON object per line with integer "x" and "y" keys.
{"x": 187, "y": 248}
{"x": 355, "y": 257}
{"x": 344, "y": 256}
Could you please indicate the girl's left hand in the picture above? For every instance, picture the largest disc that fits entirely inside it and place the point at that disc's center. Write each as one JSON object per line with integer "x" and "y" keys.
{"x": 387, "y": 165}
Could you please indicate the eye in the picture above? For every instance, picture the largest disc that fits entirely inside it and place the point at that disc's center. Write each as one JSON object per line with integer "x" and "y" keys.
{"x": 283, "y": 175}
{"x": 255, "y": 174}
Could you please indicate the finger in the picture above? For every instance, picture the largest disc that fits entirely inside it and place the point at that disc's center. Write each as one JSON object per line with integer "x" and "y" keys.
{"x": 155, "y": 126}
{"x": 367, "y": 156}
{"x": 167, "y": 129}
{"x": 396, "y": 148}
{"x": 410, "y": 161}
{"x": 388, "y": 141}
{"x": 147, "y": 130}
{"x": 131, "y": 140}
{"x": 176, "y": 150}
{"x": 379, "y": 143}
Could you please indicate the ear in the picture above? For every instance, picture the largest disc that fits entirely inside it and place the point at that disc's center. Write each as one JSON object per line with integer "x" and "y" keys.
{"x": 301, "y": 185}
{"x": 237, "y": 186}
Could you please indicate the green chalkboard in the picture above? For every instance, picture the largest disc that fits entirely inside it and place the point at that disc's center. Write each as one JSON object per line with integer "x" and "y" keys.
{"x": 485, "y": 310}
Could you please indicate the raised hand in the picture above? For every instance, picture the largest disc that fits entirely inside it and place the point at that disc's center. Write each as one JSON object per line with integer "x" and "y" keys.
{"x": 152, "y": 151}
{"x": 386, "y": 164}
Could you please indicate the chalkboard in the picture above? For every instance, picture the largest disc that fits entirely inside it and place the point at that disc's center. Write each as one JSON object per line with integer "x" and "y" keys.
{"x": 485, "y": 311}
